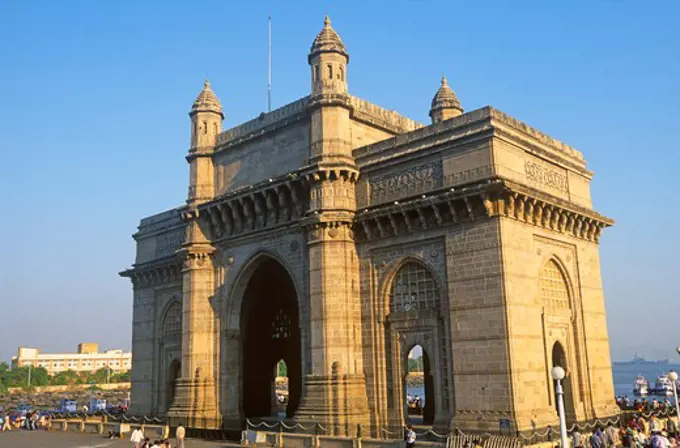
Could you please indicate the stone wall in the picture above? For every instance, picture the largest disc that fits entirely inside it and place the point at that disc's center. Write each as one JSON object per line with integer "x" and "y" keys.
{"x": 262, "y": 157}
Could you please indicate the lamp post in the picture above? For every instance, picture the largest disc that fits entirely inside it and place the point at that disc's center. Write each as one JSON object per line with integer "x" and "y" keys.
{"x": 673, "y": 376}
{"x": 558, "y": 375}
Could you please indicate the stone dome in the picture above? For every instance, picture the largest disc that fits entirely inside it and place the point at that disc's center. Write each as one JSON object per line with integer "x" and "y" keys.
{"x": 327, "y": 41}
{"x": 445, "y": 98}
{"x": 207, "y": 101}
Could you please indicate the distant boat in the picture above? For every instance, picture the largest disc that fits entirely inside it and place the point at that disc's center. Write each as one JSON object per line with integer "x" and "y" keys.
{"x": 637, "y": 360}
{"x": 640, "y": 386}
{"x": 663, "y": 386}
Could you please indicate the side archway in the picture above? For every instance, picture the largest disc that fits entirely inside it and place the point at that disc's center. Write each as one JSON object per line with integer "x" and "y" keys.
{"x": 170, "y": 348}
{"x": 414, "y": 315}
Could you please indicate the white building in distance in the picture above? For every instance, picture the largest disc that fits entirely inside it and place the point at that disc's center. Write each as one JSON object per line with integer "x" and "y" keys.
{"x": 88, "y": 359}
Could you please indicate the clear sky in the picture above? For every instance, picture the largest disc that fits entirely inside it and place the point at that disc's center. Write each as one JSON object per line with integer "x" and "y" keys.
{"x": 94, "y": 98}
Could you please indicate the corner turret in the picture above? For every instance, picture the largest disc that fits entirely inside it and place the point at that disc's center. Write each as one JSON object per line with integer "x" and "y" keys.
{"x": 445, "y": 104}
{"x": 206, "y": 123}
{"x": 328, "y": 59}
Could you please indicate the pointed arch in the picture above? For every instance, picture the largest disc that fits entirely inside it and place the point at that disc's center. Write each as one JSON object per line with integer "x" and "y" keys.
{"x": 171, "y": 323}
{"x": 416, "y": 266}
{"x": 554, "y": 285}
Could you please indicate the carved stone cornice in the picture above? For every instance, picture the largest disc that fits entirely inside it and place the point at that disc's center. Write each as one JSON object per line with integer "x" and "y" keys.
{"x": 157, "y": 273}
{"x": 493, "y": 198}
{"x": 261, "y": 206}
{"x": 196, "y": 256}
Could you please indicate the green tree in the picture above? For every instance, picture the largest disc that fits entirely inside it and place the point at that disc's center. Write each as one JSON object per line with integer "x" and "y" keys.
{"x": 66, "y": 378}
{"x": 415, "y": 365}
{"x": 282, "y": 368}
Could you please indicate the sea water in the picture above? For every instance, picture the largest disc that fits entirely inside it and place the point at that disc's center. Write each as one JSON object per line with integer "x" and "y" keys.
{"x": 624, "y": 376}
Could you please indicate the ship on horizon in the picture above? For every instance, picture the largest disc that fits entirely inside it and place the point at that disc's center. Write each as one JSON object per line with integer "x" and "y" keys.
{"x": 639, "y": 360}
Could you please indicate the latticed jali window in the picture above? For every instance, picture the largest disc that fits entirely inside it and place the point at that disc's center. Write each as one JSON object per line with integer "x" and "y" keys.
{"x": 172, "y": 325}
{"x": 281, "y": 325}
{"x": 413, "y": 289}
{"x": 554, "y": 290}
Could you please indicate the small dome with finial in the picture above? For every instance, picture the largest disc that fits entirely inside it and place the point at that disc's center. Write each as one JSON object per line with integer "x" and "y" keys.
{"x": 445, "y": 98}
{"x": 327, "y": 41}
{"x": 207, "y": 101}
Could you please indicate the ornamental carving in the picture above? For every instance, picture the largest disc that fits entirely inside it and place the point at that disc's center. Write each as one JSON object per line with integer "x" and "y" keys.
{"x": 167, "y": 244}
{"x": 409, "y": 182}
{"x": 545, "y": 176}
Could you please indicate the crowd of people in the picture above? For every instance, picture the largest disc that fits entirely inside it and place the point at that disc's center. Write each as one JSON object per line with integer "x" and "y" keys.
{"x": 31, "y": 421}
{"x": 140, "y": 441}
{"x": 642, "y": 405}
{"x": 637, "y": 433}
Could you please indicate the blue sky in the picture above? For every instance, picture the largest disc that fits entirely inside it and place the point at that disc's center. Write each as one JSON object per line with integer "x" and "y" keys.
{"x": 93, "y": 111}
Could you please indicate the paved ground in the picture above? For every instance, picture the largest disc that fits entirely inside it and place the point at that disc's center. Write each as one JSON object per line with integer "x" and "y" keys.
{"x": 43, "y": 439}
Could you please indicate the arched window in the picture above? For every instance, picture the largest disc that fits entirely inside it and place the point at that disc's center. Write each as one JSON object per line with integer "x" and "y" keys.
{"x": 554, "y": 291}
{"x": 413, "y": 289}
{"x": 172, "y": 324}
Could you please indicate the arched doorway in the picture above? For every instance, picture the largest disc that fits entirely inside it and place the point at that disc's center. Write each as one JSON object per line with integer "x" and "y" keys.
{"x": 270, "y": 329}
{"x": 415, "y": 318}
{"x": 559, "y": 359}
{"x": 419, "y": 385}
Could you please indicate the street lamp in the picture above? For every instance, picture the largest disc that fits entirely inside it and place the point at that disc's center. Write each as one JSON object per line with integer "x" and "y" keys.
{"x": 673, "y": 376}
{"x": 558, "y": 375}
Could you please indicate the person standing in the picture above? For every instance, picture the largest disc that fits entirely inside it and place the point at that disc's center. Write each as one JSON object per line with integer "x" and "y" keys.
{"x": 5, "y": 424}
{"x": 596, "y": 439}
{"x": 180, "y": 434}
{"x": 137, "y": 437}
{"x": 410, "y": 437}
{"x": 576, "y": 439}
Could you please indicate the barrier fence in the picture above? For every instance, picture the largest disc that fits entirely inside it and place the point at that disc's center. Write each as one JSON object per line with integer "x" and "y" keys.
{"x": 314, "y": 433}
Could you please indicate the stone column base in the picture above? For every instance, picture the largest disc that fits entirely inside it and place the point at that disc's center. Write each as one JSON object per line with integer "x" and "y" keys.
{"x": 194, "y": 405}
{"x": 337, "y": 402}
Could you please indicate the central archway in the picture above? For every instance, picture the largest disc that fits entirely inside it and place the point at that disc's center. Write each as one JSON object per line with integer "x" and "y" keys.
{"x": 270, "y": 325}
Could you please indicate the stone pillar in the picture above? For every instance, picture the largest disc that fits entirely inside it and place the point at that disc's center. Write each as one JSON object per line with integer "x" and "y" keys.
{"x": 335, "y": 391}
{"x": 195, "y": 403}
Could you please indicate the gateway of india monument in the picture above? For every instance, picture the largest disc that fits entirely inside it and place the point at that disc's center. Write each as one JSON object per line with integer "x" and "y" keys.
{"x": 336, "y": 235}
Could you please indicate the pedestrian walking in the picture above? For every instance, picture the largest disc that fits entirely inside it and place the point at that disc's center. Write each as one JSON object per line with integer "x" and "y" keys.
{"x": 180, "y": 435}
{"x": 137, "y": 437}
{"x": 410, "y": 437}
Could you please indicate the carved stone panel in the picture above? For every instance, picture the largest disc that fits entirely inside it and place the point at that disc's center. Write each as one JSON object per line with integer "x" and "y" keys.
{"x": 408, "y": 182}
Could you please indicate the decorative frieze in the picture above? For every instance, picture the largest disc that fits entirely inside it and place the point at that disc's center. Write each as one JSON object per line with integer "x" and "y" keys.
{"x": 486, "y": 199}
{"x": 545, "y": 176}
{"x": 408, "y": 182}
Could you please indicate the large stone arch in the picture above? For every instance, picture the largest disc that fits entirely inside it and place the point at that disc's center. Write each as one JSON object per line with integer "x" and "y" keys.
{"x": 429, "y": 328}
{"x": 232, "y": 337}
{"x": 233, "y": 302}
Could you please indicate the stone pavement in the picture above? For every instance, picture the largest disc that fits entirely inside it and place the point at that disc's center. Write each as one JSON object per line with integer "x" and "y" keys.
{"x": 42, "y": 439}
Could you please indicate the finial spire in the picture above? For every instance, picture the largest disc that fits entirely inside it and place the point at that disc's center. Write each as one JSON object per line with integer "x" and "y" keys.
{"x": 327, "y": 21}
{"x": 445, "y": 82}
{"x": 206, "y": 83}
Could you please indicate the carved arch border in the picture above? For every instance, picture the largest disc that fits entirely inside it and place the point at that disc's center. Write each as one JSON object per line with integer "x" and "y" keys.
{"x": 574, "y": 305}
{"x": 174, "y": 298}
{"x": 383, "y": 302}
{"x": 232, "y": 303}
{"x": 161, "y": 350}
{"x": 572, "y": 346}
